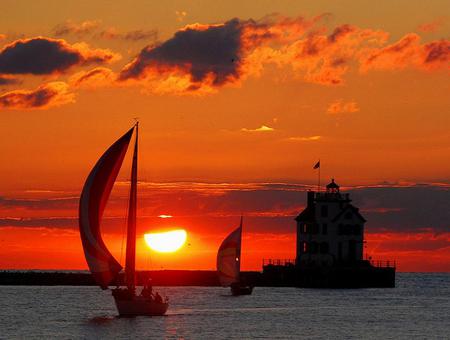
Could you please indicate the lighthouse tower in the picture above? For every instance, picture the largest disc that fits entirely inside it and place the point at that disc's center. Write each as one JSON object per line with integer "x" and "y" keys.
{"x": 330, "y": 230}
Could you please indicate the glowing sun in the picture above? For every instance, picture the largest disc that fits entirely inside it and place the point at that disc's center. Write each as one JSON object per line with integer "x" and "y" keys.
{"x": 166, "y": 242}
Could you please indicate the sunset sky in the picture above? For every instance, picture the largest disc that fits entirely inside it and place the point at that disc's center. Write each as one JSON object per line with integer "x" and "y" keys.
{"x": 237, "y": 100}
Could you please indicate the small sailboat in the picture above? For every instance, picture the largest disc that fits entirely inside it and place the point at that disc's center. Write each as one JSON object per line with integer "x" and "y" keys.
{"x": 103, "y": 266}
{"x": 229, "y": 263}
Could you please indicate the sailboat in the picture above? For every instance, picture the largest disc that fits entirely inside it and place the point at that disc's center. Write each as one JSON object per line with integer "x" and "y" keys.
{"x": 229, "y": 263}
{"x": 104, "y": 267}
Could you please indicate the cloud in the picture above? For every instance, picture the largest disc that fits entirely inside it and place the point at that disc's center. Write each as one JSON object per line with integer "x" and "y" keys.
{"x": 136, "y": 35}
{"x": 71, "y": 27}
{"x": 408, "y": 52}
{"x": 180, "y": 15}
{"x": 263, "y": 128}
{"x": 270, "y": 207}
{"x": 95, "y": 78}
{"x": 39, "y": 56}
{"x": 92, "y": 28}
{"x": 203, "y": 58}
{"x": 305, "y": 139}
{"x": 433, "y": 26}
{"x": 2, "y": 36}
{"x": 339, "y": 107}
{"x": 45, "y": 96}
{"x": 205, "y": 53}
{"x": 6, "y": 80}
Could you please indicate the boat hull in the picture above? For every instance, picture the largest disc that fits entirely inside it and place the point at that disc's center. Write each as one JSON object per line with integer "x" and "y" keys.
{"x": 140, "y": 305}
{"x": 241, "y": 290}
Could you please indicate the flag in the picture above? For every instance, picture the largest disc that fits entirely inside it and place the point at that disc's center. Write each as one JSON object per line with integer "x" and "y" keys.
{"x": 317, "y": 165}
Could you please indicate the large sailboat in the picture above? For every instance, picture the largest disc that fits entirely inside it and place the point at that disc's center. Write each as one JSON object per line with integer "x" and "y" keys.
{"x": 104, "y": 267}
{"x": 229, "y": 263}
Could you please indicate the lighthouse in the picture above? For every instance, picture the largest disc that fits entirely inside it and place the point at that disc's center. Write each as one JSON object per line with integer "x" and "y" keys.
{"x": 330, "y": 230}
{"x": 330, "y": 243}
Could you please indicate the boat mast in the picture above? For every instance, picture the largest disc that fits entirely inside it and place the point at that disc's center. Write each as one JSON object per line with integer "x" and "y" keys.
{"x": 130, "y": 264}
{"x": 238, "y": 252}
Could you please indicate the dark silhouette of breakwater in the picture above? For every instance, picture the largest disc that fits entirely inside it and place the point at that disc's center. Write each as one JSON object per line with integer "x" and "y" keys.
{"x": 158, "y": 277}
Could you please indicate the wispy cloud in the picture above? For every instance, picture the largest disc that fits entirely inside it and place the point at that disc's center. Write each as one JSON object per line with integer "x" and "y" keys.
{"x": 180, "y": 15}
{"x": 93, "y": 29}
{"x": 112, "y": 33}
{"x": 340, "y": 106}
{"x": 433, "y": 26}
{"x": 45, "y": 96}
{"x": 262, "y": 128}
{"x": 76, "y": 28}
{"x": 165, "y": 216}
{"x": 95, "y": 78}
{"x": 408, "y": 52}
{"x": 304, "y": 139}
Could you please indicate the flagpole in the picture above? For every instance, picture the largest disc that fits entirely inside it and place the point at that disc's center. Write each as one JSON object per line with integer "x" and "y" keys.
{"x": 318, "y": 181}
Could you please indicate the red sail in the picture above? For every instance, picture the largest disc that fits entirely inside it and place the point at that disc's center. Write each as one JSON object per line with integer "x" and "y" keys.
{"x": 96, "y": 191}
{"x": 229, "y": 258}
{"x": 130, "y": 264}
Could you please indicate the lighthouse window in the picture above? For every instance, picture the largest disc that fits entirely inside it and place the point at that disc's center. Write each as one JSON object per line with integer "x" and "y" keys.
{"x": 305, "y": 247}
{"x": 303, "y": 228}
{"x": 348, "y": 215}
{"x": 324, "y": 211}
{"x": 324, "y": 229}
{"x": 357, "y": 229}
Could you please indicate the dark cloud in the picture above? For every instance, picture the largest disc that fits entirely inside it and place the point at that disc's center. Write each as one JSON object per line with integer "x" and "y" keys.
{"x": 206, "y": 51}
{"x": 53, "y": 222}
{"x": 136, "y": 35}
{"x": 438, "y": 52}
{"x": 45, "y": 96}
{"x": 267, "y": 207}
{"x": 403, "y": 209}
{"x": 41, "y": 55}
{"x": 81, "y": 28}
{"x": 8, "y": 81}
{"x": 340, "y": 32}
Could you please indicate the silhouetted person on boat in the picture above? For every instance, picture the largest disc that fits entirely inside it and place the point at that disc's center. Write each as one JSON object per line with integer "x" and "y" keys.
{"x": 158, "y": 298}
{"x": 147, "y": 291}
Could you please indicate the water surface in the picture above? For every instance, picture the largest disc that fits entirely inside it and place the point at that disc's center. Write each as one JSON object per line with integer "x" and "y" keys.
{"x": 418, "y": 308}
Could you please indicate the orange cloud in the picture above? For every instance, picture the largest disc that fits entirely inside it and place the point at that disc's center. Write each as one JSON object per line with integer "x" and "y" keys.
{"x": 181, "y": 15}
{"x": 45, "y": 96}
{"x": 433, "y": 26}
{"x": 95, "y": 78}
{"x": 305, "y": 139}
{"x": 408, "y": 52}
{"x": 340, "y": 106}
{"x": 201, "y": 58}
{"x": 7, "y": 80}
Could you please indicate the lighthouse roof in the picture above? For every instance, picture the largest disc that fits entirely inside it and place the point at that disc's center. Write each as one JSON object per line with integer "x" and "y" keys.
{"x": 307, "y": 215}
{"x": 332, "y": 185}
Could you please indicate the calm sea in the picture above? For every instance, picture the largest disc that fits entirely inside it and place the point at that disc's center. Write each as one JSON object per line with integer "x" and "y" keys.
{"x": 418, "y": 308}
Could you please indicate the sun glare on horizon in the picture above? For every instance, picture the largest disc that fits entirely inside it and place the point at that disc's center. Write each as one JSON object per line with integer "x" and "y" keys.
{"x": 166, "y": 242}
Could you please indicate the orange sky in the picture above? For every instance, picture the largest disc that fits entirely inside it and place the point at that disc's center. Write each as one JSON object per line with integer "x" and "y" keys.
{"x": 243, "y": 93}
